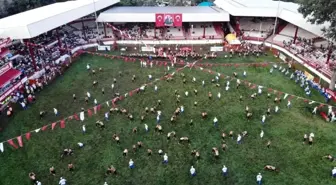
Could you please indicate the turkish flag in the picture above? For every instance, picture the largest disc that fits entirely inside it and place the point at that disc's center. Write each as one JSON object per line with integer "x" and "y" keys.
{"x": 11, "y": 142}
{"x": 159, "y": 20}
{"x": 28, "y": 135}
{"x": 178, "y": 20}
{"x": 62, "y": 124}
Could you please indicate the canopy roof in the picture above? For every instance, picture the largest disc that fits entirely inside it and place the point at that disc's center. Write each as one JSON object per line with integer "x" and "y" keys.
{"x": 268, "y": 8}
{"x": 34, "y": 22}
{"x": 147, "y": 14}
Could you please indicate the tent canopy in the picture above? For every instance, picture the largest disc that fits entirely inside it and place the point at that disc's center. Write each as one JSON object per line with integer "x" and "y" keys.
{"x": 35, "y": 22}
{"x": 268, "y": 8}
{"x": 147, "y": 14}
{"x": 206, "y": 3}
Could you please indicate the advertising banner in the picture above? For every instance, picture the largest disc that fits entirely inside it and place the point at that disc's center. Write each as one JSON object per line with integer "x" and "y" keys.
{"x": 104, "y": 48}
{"x": 216, "y": 48}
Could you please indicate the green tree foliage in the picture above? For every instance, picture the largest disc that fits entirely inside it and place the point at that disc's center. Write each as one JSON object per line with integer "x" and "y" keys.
{"x": 319, "y": 12}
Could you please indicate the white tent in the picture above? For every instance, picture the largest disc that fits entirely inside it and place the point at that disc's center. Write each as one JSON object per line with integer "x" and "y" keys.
{"x": 34, "y": 22}
{"x": 268, "y": 8}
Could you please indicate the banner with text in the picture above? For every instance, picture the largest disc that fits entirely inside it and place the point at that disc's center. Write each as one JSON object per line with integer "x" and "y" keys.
{"x": 168, "y": 20}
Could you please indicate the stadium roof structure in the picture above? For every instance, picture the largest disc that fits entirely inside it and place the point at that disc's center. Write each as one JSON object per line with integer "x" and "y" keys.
{"x": 269, "y": 8}
{"x": 147, "y": 14}
{"x": 32, "y": 23}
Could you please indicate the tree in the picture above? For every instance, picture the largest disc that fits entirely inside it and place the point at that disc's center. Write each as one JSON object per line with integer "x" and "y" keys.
{"x": 321, "y": 12}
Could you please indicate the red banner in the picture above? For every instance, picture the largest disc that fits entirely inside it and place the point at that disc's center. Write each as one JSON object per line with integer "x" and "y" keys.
{"x": 168, "y": 20}
{"x": 178, "y": 20}
{"x": 159, "y": 20}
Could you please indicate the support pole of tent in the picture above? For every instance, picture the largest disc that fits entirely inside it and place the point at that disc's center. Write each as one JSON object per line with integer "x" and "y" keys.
{"x": 295, "y": 35}
{"x": 95, "y": 13}
{"x": 276, "y": 18}
{"x": 154, "y": 32}
{"x": 83, "y": 27}
{"x": 105, "y": 30}
{"x": 203, "y": 31}
{"x": 68, "y": 51}
{"x": 32, "y": 56}
{"x": 238, "y": 26}
{"x": 58, "y": 38}
{"x": 329, "y": 54}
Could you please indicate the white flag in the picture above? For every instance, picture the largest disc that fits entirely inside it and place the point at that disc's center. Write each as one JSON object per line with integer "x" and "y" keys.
{"x": 312, "y": 102}
{"x": 37, "y": 130}
{"x": 107, "y": 103}
{"x": 1, "y": 147}
{"x": 95, "y": 109}
{"x": 81, "y": 116}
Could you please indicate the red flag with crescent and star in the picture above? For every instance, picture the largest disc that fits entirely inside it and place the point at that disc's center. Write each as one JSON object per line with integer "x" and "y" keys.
{"x": 159, "y": 22}
{"x": 178, "y": 20}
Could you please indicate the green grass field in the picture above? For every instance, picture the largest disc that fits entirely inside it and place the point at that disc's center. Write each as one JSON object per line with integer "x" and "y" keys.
{"x": 298, "y": 163}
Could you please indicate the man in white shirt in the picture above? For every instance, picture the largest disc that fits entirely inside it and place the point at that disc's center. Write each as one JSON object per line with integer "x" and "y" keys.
{"x": 83, "y": 129}
{"x": 146, "y": 127}
{"x": 276, "y": 109}
{"x": 261, "y": 134}
{"x": 55, "y": 111}
{"x": 193, "y": 171}
{"x": 263, "y": 119}
{"x": 289, "y": 104}
{"x": 333, "y": 172}
{"x": 259, "y": 177}
{"x": 131, "y": 164}
{"x": 62, "y": 181}
{"x": 81, "y": 145}
{"x": 106, "y": 116}
{"x": 165, "y": 158}
{"x": 314, "y": 110}
{"x": 23, "y": 105}
{"x": 215, "y": 121}
{"x": 225, "y": 171}
{"x": 239, "y": 139}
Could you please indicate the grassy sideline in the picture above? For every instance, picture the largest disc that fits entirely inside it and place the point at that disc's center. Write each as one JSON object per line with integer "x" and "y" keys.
{"x": 298, "y": 163}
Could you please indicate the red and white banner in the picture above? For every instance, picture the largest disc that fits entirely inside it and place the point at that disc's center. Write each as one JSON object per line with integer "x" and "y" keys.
{"x": 159, "y": 20}
{"x": 168, "y": 20}
{"x": 178, "y": 20}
